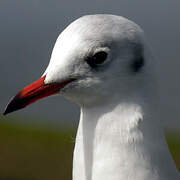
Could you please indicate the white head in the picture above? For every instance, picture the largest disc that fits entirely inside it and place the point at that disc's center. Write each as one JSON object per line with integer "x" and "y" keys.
{"x": 105, "y": 54}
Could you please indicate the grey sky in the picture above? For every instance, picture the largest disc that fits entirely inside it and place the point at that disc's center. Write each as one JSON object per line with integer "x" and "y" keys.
{"x": 28, "y": 30}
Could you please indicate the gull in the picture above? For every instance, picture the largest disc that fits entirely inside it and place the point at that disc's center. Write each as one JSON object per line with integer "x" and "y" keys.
{"x": 103, "y": 63}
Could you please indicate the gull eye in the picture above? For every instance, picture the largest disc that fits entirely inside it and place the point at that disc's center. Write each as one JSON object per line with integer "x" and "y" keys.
{"x": 97, "y": 59}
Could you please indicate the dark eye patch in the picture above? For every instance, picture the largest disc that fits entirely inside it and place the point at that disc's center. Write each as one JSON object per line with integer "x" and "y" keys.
{"x": 137, "y": 64}
{"x": 97, "y": 59}
{"x": 138, "y": 60}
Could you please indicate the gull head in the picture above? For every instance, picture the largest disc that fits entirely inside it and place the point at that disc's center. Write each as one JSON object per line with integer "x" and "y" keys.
{"x": 104, "y": 54}
{"x": 97, "y": 58}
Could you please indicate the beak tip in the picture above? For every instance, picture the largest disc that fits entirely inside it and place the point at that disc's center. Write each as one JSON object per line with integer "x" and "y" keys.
{"x": 7, "y": 111}
{"x": 4, "y": 113}
{"x": 11, "y": 106}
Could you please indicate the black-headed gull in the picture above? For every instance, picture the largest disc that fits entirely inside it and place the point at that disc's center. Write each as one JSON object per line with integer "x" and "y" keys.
{"x": 102, "y": 62}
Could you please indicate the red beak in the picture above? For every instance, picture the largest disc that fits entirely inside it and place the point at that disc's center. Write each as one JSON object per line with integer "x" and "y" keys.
{"x": 34, "y": 92}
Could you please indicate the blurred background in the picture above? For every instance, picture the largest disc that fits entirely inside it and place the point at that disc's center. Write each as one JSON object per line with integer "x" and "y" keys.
{"x": 37, "y": 143}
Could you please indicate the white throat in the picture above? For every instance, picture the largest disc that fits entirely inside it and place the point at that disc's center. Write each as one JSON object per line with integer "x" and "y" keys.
{"x": 121, "y": 141}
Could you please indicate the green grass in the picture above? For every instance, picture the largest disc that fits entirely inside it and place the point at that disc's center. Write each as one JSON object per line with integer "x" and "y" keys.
{"x": 173, "y": 140}
{"x": 28, "y": 153}
{"x": 32, "y": 153}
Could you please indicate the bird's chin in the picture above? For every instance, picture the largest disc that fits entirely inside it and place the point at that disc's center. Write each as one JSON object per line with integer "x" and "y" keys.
{"x": 80, "y": 97}
{"x": 83, "y": 92}
{"x": 69, "y": 92}
{"x": 70, "y": 95}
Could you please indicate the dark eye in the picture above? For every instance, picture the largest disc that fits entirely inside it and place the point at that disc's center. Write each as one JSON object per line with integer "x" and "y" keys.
{"x": 97, "y": 59}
